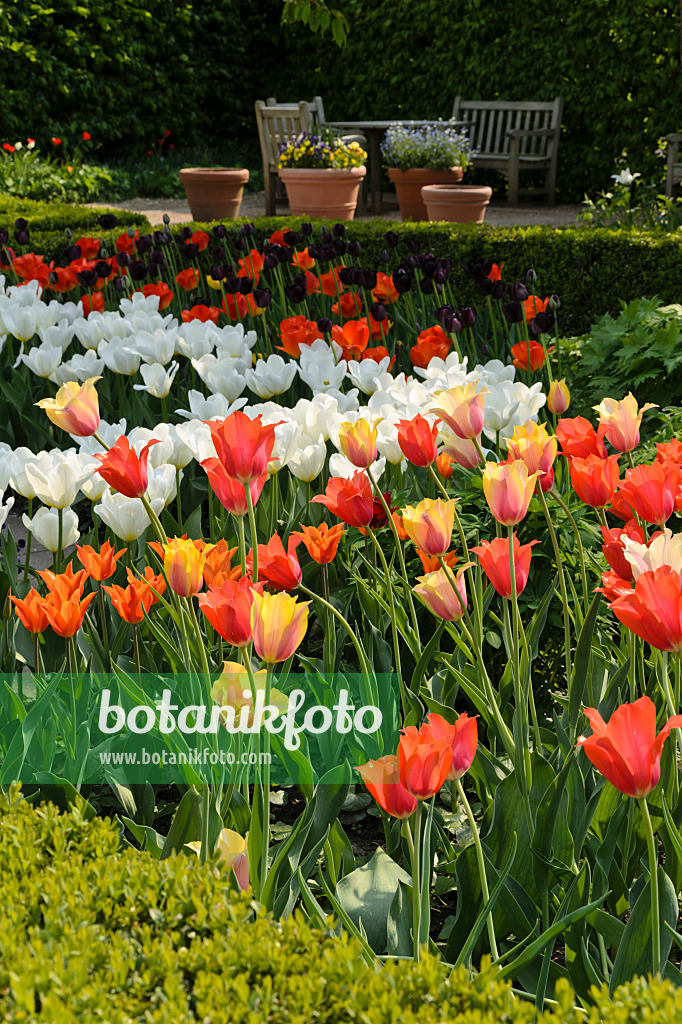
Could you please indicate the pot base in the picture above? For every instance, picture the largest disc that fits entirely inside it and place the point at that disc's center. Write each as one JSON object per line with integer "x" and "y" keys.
{"x": 330, "y": 193}
{"x": 214, "y": 193}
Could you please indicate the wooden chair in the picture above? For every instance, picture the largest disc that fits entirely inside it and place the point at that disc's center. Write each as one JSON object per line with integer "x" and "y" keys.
{"x": 674, "y": 168}
{"x": 277, "y": 125}
{"x": 512, "y": 137}
{"x": 317, "y": 110}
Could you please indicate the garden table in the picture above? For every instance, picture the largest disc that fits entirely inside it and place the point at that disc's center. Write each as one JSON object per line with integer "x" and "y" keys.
{"x": 375, "y": 131}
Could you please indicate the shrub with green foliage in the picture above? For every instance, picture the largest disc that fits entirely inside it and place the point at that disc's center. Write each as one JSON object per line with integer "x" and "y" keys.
{"x": 126, "y": 71}
{"x": 89, "y": 931}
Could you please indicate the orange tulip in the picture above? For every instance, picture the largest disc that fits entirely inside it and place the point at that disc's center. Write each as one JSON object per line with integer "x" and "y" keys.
{"x": 64, "y": 584}
{"x": 533, "y": 445}
{"x": 228, "y": 609}
{"x": 130, "y": 602}
{"x": 508, "y": 488}
{"x": 417, "y": 440}
{"x": 123, "y": 469}
{"x": 352, "y": 338}
{"x": 321, "y": 542}
{"x": 653, "y": 610}
{"x": 558, "y": 397}
{"x": 462, "y": 408}
{"x": 243, "y": 445}
{"x": 520, "y": 353}
{"x": 75, "y": 408}
{"x": 626, "y": 750}
{"x": 578, "y": 438}
{"x": 431, "y": 564}
{"x": 331, "y": 283}
{"x": 31, "y": 611}
{"x": 431, "y": 343}
{"x": 621, "y": 421}
{"x": 161, "y": 289}
{"x": 189, "y": 279}
{"x": 66, "y": 616}
{"x": 444, "y": 464}
{"x": 358, "y": 442}
{"x": 429, "y": 524}
{"x": 462, "y": 737}
{"x": 438, "y": 594}
{"x": 533, "y": 305}
{"x": 99, "y": 565}
{"x": 382, "y": 779}
{"x": 230, "y": 492}
{"x": 202, "y": 313}
{"x": 347, "y": 306}
{"x": 595, "y": 480}
{"x": 279, "y": 623}
{"x": 652, "y": 491}
{"x": 424, "y": 761}
{"x": 494, "y": 558}
{"x": 218, "y": 563}
{"x": 183, "y": 565}
{"x": 303, "y": 260}
{"x": 296, "y": 331}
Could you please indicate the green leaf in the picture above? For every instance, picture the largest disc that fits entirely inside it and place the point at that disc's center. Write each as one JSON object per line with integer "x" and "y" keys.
{"x": 634, "y": 954}
{"x": 367, "y": 893}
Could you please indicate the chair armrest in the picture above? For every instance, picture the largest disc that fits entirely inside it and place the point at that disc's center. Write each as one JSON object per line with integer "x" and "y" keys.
{"x": 674, "y": 137}
{"x": 535, "y": 133}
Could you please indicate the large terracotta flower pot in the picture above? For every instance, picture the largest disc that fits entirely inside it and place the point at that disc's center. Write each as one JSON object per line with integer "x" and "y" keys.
{"x": 214, "y": 193}
{"x": 330, "y": 192}
{"x": 459, "y": 203}
{"x": 409, "y": 184}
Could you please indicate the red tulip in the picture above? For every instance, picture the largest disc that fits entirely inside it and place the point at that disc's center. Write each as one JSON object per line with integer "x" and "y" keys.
{"x": 653, "y": 610}
{"x": 462, "y": 737}
{"x": 230, "y": 492}
{"x": 228, "y": 609}
{"x": 417, "y": 440}
{"x": 494, "y": 558}
{"x": 278, "y": 568}
{"x": 243, "y": 445}
{"x": 350, "y": 500}
{"x": 626, "y": 750}
{"x": 651, "y": 491}
{"x": 614, "y": 548}
{"x": 382, "y": 778}
{"x": 124, "y": 470}
{"x": 578, "y": 438}
{"x": 594, "y": 479}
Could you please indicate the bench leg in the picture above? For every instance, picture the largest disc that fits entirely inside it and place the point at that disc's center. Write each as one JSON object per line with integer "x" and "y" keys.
{"x": 270, "y": 182}
{"x": 513, "y": 187}
{"x": 550, "y": 185}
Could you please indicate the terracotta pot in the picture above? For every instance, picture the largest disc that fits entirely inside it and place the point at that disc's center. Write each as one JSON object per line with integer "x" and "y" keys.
{"x": 460, "y": 203}
{"x": 214, "y": 193}
{"x": 409, "y": 184}
{"x": 331, "y": 192}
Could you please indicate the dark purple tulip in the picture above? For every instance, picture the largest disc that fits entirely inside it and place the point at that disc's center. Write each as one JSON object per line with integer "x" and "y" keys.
{"x": 483, "y": 285}
{"x": 339, "y": 230}
{"x": 402, "y": 280}
{"x": 518, "y": 292}
{"x": 123, "y": 259}
{"x": 245, "y": 285}
{"x": 531, "y": 276}
{"x": 451, "y": 324}
{"x": 412, "y": 262}
{"x": 412, "y": 244}
{"x": 231, "y": 285}
{"x": 292, "y": 237}
{"x": 4, "y": 258}
{"x": 248, "y": 229}
{"x": 240, "y": 244}
{"x": 270, "y": 261}
{"x": 442, "y": 312}
{"x": 326, "y": 237}
{"x": 74, "y": 252}
{"x": 324, "y": 325}
{"x": 218, "y": 272}
{"x": 327, "y": 253}
{"x": 102, "y": 269}
{"x": 218, "y": 253}
{"x": 485, "y": 351}
{"x": 467, "y": 316}
{"x": 107, "y": 221}
{"x": 87, "y": 278}
{"x": 440, "y": 277}
{"x": 378, "y": 312}
{"x": 340, "y": 247}
{"x": 285, "y": 254}
{"x": 542, "y": 323}
{"x": 391, "y": 238}
{"x": 138, "y": 270}
{"x": 20, "y": 224}
{"x": 295, "y": 293}
{"x": 144, "y": 244}
{"x": 263, "y": 297}
{"x": 185, "y": 233}
{"x": 4, "y": 236}
{"x": 162, "y": 238}
{"x": 427, "y": 286}
{"x": 22, "y": 237}
{"x": 478, "y": 268}
{"x": 498, "y": 290}
{"x": 513, "y": 312}
{"x": 306, "y": 229}
{"x": 190, "y": 251}
{"x": 121, "y": 284}
{"x": 219, "y": 231}
{"x": 354, "y": 249}
{"x": 346, "y": 275}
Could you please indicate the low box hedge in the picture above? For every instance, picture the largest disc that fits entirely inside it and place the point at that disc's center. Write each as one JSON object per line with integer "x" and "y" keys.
{"x": 90, "y": 931}
{"x": 47, "y": 223}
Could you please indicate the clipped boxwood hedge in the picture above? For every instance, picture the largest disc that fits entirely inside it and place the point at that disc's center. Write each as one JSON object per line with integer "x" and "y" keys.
{"x": 47, "y": 223}
{"x": 92, "y": 932}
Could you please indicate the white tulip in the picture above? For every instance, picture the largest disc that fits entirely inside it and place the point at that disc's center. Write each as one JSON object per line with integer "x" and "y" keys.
{"x": 365, "y": 374}
{"x": 42, "y": 360}
{"x": 5, "y": 464}
{"x": 163, "y": 484}
{"x": 387, "y": 441}
{"x": 64, "y": 311}
{"x": 287, "y": 441}
{"x": 20, "y": 321}
{"x": 666, "y": 549}
{"x": 233, "y": 341}
{"x": 57, "y": 480}
{"x": 4, "y": 509}
{"x": 60, "y": 334}
{"x": 209, "y": 407}
{"x": 138, "y": 302}
{"x": 125, "y": 516}
{"x": 119, "y": 357}
{"x": 109, "y": 432}
{"x": 159, "y": 453}
{"x": 80, "y": 368}
{"x": 45, "y": 527}
{"x": 339, "y": 465}
{"x": 271, "y": 376}
{"x": 157, "y": 347}
{"x": 196, "y": 339}
{"x": 157, "y": 380}
{"x": 197, "y": 436}
{"x": 18, "y": 480}
{"x": 224, "y": 376}
{"x": 344, "y": 403}
{"x": 307, "y": 463}
{"x": 316, "y": 414}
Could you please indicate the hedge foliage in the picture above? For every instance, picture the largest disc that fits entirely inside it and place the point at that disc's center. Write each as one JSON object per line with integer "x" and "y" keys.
{"x": 196, "y": 69}
{"x": 91, "y": 932}
{"x": 47, "y": 223}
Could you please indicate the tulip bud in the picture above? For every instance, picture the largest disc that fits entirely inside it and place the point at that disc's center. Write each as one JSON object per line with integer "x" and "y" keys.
{"x": 559, "y": 397}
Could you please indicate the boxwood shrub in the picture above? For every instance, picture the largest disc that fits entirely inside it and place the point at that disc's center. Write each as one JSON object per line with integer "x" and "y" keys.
{"x": 91, "y": 931}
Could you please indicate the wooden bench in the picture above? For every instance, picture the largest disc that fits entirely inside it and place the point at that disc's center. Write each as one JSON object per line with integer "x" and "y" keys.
{"x": 674, "y": 169}
{"x": 513, "y": 137}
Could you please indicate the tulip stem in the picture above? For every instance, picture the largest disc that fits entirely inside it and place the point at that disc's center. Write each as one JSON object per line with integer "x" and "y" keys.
{"x": 242, "y": 545}
{"x": 136, "y": 650}
{"x": 254, "y": 534}
{"x": 364, "y": 664}
{"x": 653, "y": 882}
{"x": 103, "y": 623}
{"x": 200, "y": 642}
{"x": 521, "y": 748}
{"x": 204, "y": 852}
{"x": 178, "y": 496}
{"x": 266, "y": 789}
{"x": 416, "y": 887}
{"x": 28, "y": 539}
{"x": 60, "y": 541}
{"x": 391, "y": 608}
{"x": 581, "y": 552}
{"x": 400, "y": 552}
{"x": 481, "y": 865}
{"x": 562, "y": 586}
{"x": 70, "y": 658}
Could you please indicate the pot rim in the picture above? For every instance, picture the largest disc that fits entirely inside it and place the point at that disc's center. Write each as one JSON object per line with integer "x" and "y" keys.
{"x": 458, "y": 190}
{"x": 353, "y": 171}
{"x": 233, "y": 171}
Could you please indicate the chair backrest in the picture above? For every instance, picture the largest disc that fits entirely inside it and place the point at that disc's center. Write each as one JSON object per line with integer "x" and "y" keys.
{"x": 492, "y": 119}
{"x": 316, "y": 108}
{"x": 279, "y": 124}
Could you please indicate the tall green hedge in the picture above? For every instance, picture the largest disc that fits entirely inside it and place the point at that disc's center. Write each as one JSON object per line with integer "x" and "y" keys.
{"x": 126, "y": 70}
{"x": 90, "y": 932}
